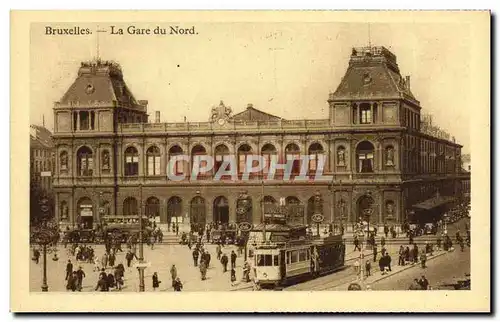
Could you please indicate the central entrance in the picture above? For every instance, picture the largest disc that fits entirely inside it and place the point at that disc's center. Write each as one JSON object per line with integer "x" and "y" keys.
{"x": 221, "y": 210}
{"x": 366, "y": 208}
{"x": 86, "y": 213}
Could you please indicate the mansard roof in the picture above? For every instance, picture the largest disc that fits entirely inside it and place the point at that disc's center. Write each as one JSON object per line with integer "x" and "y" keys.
{"x": 99, "y": 81}
{"x": 373, "y": 73}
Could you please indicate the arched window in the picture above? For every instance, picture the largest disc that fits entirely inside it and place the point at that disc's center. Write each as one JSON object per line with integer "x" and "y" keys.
{"x": 364, "y": 153}
{"x": 130, "y": 207}
{"x": 244, "y": 151}
{"x": 63, "y": 160}
{"x": 292, "y": 200}
{"x": 152, "y": 207}
{"x": 153, "y": 164}
{"x": 105, "y": 160}
{"x": 267, "y": 152}
{"x": 292, "y": 152}
{"x": 131, "y": 161}
{"x": 269, "y": 200}
{"x": 315, "y": 152}
{"x": 177, "y": 167}
{"x": 196, "y": 161}
{"x": 221, "y": 155}
{"x": 85, "y": 162}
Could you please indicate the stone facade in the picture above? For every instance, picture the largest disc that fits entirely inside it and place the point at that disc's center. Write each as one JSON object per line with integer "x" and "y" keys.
{"x": 373, "y": 145}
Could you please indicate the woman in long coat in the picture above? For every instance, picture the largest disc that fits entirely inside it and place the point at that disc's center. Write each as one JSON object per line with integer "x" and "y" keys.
{"x": 156, "y": 282}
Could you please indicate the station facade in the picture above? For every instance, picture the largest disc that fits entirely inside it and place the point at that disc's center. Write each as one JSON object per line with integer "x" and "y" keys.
{"x": 112, "y": 161}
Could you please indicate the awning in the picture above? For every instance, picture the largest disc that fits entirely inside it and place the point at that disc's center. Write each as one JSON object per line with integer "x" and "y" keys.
{"x": 434, "y": 202}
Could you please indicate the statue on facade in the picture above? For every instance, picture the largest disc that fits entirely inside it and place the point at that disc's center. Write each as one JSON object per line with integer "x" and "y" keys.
{"x": 64, "y": 161}
{"x": 389, "y": 209}
{"x": 341, "y": 157}
{"x": 390, "y": 156}
{"x": 64, "y": 211}
{"x": 105, "y": 160}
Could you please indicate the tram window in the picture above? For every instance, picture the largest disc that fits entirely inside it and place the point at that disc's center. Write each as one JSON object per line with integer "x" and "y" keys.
{"x": 308, "y": 255}
{"x": 295, "y": 256}
{"x": 288, "y": 256}
{"x": 275, "y": 260}
{"x": 302, "y": 256}
{"x": 264, "y": 260}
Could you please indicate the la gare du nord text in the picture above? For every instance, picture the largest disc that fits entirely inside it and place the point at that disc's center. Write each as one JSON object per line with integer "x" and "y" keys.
{"x": 203, "y": 164}
{"x": 130, "y": 30}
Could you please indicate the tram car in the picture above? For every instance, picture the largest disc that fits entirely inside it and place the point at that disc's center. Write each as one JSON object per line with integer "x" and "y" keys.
{"x": 279, "y": 264}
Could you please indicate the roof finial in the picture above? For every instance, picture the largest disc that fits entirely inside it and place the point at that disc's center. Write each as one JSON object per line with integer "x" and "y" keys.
{"x": 97, "y": 43}
{"x": 43, "y": 120}
{"x": 369, "y": 37}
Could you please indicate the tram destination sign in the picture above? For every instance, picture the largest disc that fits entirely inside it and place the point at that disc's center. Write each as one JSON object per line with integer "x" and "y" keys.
{"x": 318, "y": 218}
{"x": 245, "y": 226}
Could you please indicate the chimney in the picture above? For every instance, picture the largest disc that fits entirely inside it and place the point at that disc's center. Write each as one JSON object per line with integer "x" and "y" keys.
{"x": 249, "y": 105}
{"x": 408, "y": 82}
{"x": 157, "y": 116}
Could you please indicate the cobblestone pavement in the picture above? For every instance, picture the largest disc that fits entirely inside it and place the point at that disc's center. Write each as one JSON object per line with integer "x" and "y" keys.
{"x": 161, "y": 258}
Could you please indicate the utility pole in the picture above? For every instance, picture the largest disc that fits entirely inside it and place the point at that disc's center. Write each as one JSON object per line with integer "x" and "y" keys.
{"x": 141, "y": 267}
{"x": 263, "y": 214}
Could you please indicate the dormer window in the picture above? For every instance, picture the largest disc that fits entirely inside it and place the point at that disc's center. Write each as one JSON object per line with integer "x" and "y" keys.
{"x": 89, "y": 89}
{"x": 367, "y": 78}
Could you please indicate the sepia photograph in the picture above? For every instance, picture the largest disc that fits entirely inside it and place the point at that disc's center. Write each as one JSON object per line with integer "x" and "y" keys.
{"x": 236, "y": 155}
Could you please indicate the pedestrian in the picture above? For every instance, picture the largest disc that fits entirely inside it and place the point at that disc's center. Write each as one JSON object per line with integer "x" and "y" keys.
{"x": 69, "y": 269}
{"x": 218, "y": 251}
{"x": 357, "y": 267}
{"x": 102, "y": 284}
{"x": 386, "y": 231}
{"x": 177, "y": 230}
{"x": 401, "y": 259}
{"x": 195, "y": 256}
{"x": 119, "y": 277}
{"x": 177, "y": 285}
{"x": 233, "y": 276}
{"x": 129, "y": 257}
{"x": 415, "y": 286}
{"x": 374, "y": 253}
{"x": 207, "y": 258}
{"x": 104, "y": 260}
{"x": 415, "y": 254}
{"x": 203, "y": 270}
{"x": 368, "y": 267}
{"x": 72, "y": 282}
{"x": 80, "y": 275}
{"x": 173, "y": 274}
{"x": 382, "y": 241}
{"x": 411, "y": 238}
{"x": 110, "y": 279}
{"x": 423, "y": 259}
{"x": 462, "y": 244}
{"x": 36, "y": 255}
{"x": 233, "y": 259}
{"x": 224, "y": 261}
{"x": 156, "y": 282}
{"x": 356, "y": 244}
{"x": 381, "y": 265}
{"x": 173, "y": 226}
{"x": 424, "y": 283}
{"x": 111, "y": 259}
{"x": 152, "y": 241}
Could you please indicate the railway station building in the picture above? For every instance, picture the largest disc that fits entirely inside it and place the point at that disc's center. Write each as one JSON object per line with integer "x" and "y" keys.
{"x": 112, "y": 158}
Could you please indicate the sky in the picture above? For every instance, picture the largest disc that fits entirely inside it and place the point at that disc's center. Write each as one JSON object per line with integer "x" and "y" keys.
{"x": 286, "y": 69}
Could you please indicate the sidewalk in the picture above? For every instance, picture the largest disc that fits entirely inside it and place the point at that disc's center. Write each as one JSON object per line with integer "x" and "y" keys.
{"x": 377, "y": 275}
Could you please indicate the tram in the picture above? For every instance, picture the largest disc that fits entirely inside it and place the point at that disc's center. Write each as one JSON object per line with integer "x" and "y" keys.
{"x": 280, "y": 263}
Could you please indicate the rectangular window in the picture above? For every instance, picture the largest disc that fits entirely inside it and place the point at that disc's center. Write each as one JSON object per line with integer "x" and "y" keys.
{"x": 302, "y": 255}
{"x": 313, "y": 162}
{"x": 84, "y": 121}
{"x": 366, "y": 116}
{"x": 295, "y": 256}
{"x": 242, "y": 163}
{"x": 267, "y": 162}
{"x": 275, "y": 261}
{"x": 151, "y": 165}
{"x": 157, "y": 165}
{"x": 264, "y": 260}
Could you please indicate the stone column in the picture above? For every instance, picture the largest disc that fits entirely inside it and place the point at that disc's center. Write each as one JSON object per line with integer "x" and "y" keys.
{"x": 78, "y": 120}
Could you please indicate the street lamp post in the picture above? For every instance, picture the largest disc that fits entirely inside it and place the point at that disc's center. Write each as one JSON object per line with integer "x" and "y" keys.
{"x": 45, "y": 234}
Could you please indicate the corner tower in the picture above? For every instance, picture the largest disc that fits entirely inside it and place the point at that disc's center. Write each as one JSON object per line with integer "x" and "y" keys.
{"x": 97, "y": 100}
{"x": 373, "y": 92}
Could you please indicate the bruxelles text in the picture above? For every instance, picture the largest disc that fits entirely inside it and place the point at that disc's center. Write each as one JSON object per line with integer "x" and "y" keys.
{"x": 311, "y": 167}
